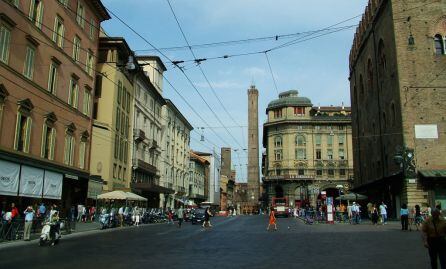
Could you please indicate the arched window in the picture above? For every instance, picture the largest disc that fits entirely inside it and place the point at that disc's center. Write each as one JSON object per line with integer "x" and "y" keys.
{"x": 382, "y": 58}
{"x": 370, "y": 76}
{"x": 278, "y": 142}
{"x": 393, "y": 114}
{"x": 300, "y": 140}
{"x": 439, "y": 45}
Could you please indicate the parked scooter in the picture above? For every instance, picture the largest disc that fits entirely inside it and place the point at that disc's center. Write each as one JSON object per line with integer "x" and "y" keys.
{"x": 104, "y": 220}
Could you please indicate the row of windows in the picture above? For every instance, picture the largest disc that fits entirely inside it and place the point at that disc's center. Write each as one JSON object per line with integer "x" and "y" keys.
{"x": 53, "y": 72}
{"x": 119, "y": 172}
{"x": 330, "y": 172}
{"x": 297, "y": 111}
{"x": 149, "y": 101}
{"x": 22, "y": 139}
{"x": 300, "y": 140}
{"x": 301, "y": 154}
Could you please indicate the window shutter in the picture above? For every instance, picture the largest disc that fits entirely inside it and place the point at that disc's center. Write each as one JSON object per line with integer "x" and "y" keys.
{"x": 43, "y": 145}
{"x": 31, "y": 10}
{"x": 53, "y": 143}
{"x": 40, "y": 14}
{"x": 28, "y": 134}
{"x": 66, "y": 149}
{"x": 17, "y": 131}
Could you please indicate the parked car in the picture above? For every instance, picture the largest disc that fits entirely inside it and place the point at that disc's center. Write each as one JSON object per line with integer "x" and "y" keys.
{"x": 197, "y": 215}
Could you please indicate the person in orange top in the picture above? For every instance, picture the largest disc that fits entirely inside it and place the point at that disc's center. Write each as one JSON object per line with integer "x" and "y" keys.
{"x": 272, "y": 219}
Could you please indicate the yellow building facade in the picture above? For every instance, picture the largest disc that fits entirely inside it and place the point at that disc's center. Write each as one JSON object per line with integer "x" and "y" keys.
{"x": 308, "y": 150}
{"x": 112, "y": 114}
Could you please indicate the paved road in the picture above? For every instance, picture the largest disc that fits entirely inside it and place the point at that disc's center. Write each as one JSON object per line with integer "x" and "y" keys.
{"x": 238, "y": 242}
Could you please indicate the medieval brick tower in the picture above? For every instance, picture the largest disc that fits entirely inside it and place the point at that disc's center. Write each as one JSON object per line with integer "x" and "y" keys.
{"x": 253, "y": 147}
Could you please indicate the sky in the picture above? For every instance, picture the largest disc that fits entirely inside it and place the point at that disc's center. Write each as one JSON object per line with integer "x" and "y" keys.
{"x": 316, "y": 64}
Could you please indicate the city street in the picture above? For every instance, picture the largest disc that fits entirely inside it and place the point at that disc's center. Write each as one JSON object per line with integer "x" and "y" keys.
{"x": 236, "y": 242}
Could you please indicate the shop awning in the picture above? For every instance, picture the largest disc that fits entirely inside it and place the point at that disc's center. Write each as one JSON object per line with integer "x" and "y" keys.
{"x": 433, "y": 173}
{"x": 121, "y": 195}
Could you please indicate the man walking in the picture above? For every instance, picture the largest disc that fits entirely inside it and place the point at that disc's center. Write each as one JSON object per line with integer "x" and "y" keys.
{"x": 434, "y": 232}
{"x": 29, "y": 216}
{"x": 180, "y": 214}
{"x": 383, "y": 212}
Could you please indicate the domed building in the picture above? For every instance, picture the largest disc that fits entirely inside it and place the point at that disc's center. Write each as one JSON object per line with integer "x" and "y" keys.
{"x": 308, "y": 150}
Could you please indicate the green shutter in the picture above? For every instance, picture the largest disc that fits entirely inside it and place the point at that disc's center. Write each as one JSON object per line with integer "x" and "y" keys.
{"x": 17, "y": 131}
{"x": 53, "y": 143}
{"x": 43, "y": 145}
{"x": 40, "y": 14}
{"x": 28, "y": 134}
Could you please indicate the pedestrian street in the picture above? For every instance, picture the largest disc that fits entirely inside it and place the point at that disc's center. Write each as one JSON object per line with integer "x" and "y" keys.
{"x": 232, "y": 242}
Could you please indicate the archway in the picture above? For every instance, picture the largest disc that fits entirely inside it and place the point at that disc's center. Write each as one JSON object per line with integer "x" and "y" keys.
{"x": 279, "y": 191}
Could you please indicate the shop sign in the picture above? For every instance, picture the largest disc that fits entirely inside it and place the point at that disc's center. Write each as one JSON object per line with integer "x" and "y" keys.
{"x": 71, "y": 176}
{"x": 52, "y": 187}
{"x": 9, "y": 178}
{"x": 31, "y": 182}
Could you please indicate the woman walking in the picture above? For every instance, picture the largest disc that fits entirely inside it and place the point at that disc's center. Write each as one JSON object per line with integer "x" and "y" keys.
{"x": 404, "y": 212}
{"x": 272, "y": 220}
{"x": 207, "y": 215}
{"x": 374, "y": 214}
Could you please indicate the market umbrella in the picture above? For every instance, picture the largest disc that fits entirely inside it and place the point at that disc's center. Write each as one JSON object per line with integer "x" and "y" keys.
{"x": 352, "y": 197}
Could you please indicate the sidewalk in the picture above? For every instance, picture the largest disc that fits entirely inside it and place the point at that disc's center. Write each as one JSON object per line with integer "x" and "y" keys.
{"x": 81, "y": 227}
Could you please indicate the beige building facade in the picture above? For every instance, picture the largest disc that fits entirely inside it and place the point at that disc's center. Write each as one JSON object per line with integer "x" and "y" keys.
{"x": 111, "y": 157}
{"x": 308, "y": 150}
{"x": 199, "y": 171}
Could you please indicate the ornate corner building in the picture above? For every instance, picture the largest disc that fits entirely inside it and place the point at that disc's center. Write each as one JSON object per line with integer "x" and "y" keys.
{"x": 308, "y": 150}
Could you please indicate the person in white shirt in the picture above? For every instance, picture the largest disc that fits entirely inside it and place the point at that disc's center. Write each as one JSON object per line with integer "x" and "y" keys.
{"x": 383, "y": 213}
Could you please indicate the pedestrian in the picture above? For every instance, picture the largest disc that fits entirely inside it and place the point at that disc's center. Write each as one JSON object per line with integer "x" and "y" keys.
{"x": 137, "y": 215}
{"x": 370, "y": 210}
{"x": 434, "y": 232}
{"x": 207, "y": 218}
{"x": 418, "y": 217}
{"x": 84, "y": 214}
{"x": 180, "y": 214}
{"x": 92, "y": 213}
{"x": 354, "y": 213}
{"x": 121, "y": 215}
{"x": 29, "y": 216}
{"x": 42, "y": 211}
{"x": 14, "y": 211}
{"x": 169, "y": 217}
{"x": 73, "y": 218}
{"x": 404, "y": 212}
{"x": 272, "y": 220}
{"x": 349, "y": 213}
{"x": 79, "y": 212}
{"x": 374, "y": 215}
{"x": 383, "y": 212}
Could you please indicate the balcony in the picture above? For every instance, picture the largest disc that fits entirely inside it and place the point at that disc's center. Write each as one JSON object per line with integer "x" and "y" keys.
{"x": 150, "y": 186}
{"x": 139, "y": 135}
{"x": 145, "y": 167}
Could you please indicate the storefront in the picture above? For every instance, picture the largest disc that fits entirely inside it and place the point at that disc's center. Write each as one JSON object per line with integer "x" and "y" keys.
{"x": 26, "y": 181}
{"x": 434, "y": 182}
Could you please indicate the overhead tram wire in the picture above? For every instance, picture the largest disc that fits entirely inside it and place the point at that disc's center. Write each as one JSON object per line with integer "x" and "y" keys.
{"x": 204, "y": 75}
{"x": 182, "y": 71}
{"x": 272, "y": 74}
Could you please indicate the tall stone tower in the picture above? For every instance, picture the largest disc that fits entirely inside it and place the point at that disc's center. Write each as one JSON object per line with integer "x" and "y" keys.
{"x": 253, "y": 147}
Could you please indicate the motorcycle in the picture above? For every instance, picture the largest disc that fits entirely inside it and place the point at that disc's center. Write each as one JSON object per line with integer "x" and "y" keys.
{"x": 50, "y": 234}
{"x": 104, "y": 220}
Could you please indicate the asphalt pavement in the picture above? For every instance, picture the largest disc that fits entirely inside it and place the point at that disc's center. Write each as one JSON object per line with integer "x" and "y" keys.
{"x": 232, "y": 242}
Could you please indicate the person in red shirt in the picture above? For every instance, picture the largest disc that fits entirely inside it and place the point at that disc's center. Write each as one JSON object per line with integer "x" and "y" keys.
{"x": 14, "y": 211}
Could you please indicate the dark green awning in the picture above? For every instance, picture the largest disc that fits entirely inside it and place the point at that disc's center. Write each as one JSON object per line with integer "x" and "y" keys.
{"x": 433, "y": 173}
